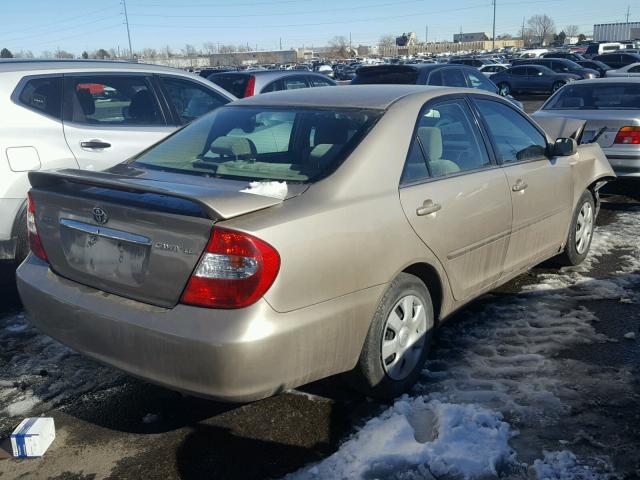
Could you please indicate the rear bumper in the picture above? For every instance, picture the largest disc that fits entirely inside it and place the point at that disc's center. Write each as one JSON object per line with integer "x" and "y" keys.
{"x": 227, "y": 355}
{"x": 624, "y": 162}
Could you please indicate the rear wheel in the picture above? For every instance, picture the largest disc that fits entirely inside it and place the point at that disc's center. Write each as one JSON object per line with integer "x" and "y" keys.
{"x": 398, "y": 340}
{"x": 504, "y": 89}
{"x": 580, "y": 233}
{"x": 557, "y": 86}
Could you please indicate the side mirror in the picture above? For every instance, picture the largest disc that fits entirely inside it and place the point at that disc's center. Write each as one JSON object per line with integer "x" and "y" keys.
{"x": 564, "y": 147}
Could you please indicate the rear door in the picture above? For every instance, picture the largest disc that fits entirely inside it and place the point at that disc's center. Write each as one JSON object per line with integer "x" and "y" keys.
{"x": 541, "y": 187}
{"x": 109, "y": 117}
{"x": 456, "y": 199}
{"x": 518, "y": 78}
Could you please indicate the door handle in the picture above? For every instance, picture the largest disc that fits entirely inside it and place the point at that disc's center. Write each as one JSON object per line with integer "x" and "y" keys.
{"x": 428, "y": 207}
{"x": 519, "y": 186}
{"x": 95, "y": 144}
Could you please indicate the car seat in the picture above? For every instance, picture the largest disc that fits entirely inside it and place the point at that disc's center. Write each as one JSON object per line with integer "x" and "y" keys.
{"x": 431, "y": 139}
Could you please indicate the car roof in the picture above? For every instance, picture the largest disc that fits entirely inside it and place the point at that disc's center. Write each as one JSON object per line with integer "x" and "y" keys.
{"x": 269, "y": 73}
{"x": 378, "y": 97}
{"x": 25, "y": 65}
{"x": 609, "y": 80}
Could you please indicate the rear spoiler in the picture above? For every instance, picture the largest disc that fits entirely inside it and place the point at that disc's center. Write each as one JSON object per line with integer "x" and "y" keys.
{"x": 218, "y": 203}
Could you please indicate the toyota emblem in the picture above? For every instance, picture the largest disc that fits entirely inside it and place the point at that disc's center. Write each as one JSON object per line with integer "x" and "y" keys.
{"x": 100, "y": 216}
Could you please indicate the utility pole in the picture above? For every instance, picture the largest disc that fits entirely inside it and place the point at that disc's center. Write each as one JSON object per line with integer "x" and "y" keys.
{"x": 426, "y": 34}
{"x": 522, "y": 32}
{"x": 494, "y": 25}
{"x": 126, "y": 20}
{"x": 349, "y": 44}
{"x": 280, "y": 43}
{"x": 628, "y": 11}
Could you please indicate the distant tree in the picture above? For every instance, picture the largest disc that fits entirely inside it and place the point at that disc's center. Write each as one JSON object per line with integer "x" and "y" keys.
{"x": 209, "y": 47}
{"x": 227, "y": 49}
{"x": 572, "y": 30}
{"x": 582, "y": 37}
{"x": 46, "y": 54}
{"x": 102, "y": 54}
{"x": 23, "y": 54}
{"x": 189, "y": 50}
{"x": 63, "y": 54}
{"x": 560, "y": 38}
{"x": 542, "y": 26}
{"x": 387, "y": 41}
{"x": 149, "y": 53}
{"x": 5, "y": 53}
{"x": 85, "y": 55}
{"x": 339, "y": 46}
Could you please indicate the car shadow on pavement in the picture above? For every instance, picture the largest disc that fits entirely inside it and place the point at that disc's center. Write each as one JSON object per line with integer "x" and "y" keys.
{"x": 9, "y": 298}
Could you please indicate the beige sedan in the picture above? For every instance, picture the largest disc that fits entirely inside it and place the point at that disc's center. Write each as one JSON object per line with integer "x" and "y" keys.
{"x": 296, "y": 235}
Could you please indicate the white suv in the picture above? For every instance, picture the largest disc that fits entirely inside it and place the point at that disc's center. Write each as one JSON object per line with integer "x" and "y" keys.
{"x": 84, "y": 114}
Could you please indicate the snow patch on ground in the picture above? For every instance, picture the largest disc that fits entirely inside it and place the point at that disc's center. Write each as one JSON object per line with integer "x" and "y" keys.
{"x": 417, "y": 433}
{"x": 268, "y": 189}
{"x": 498, "y": 375}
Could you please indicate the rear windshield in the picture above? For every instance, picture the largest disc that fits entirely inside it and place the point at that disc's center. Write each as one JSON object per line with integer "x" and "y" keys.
{"x": 251, "y": 143}
{"x": 386, "y": 76}
{"x": 234, "y": 84}
{"x": 612, "y": 96}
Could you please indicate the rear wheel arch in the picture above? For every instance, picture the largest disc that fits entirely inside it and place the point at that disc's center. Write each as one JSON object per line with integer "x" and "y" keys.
{"x": 430, "y": 277}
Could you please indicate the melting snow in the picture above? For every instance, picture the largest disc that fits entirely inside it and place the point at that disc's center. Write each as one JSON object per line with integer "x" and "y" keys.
{"x": 268, "y": 189}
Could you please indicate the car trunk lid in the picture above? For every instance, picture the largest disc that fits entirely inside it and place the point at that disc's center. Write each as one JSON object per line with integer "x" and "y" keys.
{"x": 139, "y": 238}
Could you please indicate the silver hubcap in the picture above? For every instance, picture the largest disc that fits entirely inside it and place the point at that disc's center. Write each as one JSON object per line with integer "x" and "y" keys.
{"x": 584, "y": 228}
{"x": 403, "y": 337}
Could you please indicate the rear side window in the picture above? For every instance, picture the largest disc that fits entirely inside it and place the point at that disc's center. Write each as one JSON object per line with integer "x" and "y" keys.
{"x": 234, "y": 84}
{"x": 519, "y": 71}
{"x": 320, "y": 82}
{"x": 384, "y": 75}
{"x": 453, "y": 77}
{"x": 514, "y": 137}
{"x": 113, "y": 100}
{"x": 190, "y": 99}
{"x": 43, "y": 95}
{"x": 294, "y": 83}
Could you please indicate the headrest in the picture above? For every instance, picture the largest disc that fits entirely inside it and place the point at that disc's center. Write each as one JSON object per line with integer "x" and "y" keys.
{"x": 333, "y": 131}
{"x": 141, "y": 106}
{"x": 237, "y": 147}
{"x": 431, "y": 139}
{"x": 85, "y": 99}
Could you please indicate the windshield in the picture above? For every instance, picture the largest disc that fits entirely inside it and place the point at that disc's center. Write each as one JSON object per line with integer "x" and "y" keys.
{"x": 259, "y": 143}
{"x": 612, "y": 96}
{"x": 235, "y": 84}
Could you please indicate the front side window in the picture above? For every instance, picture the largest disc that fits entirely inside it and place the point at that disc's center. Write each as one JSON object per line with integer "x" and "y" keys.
{"x": 515, "y": 138}
{"x": 190, "y": 99}
{"x": 320, "y": 82}
{"x": 449, "y": 141}
{"x": 113, "y": 100}
{"x": 519, "y": 71}
{"x": 43, "y": 95}
{"x": 261, "y": 143}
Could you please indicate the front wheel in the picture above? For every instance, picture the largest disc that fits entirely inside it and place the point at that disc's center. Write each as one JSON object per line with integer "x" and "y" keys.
{"x": 557, "y": 86}
{"x": 580, "y": 233}
{"x": 398, "y": 340}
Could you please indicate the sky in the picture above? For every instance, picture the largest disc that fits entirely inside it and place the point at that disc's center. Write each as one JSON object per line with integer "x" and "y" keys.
{"x": 77, "y": 25}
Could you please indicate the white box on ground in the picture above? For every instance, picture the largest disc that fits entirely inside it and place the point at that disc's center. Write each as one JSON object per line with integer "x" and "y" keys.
{"x": 32, "y": 437}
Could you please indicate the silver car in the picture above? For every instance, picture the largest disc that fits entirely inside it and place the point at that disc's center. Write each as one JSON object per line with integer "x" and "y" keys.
{"x": 296, "y": 235}
{"x": 611, "y": 109}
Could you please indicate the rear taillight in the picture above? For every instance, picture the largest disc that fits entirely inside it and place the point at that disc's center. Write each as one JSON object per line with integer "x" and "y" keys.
{"x": 251, "y": 85}
{"x": 628, "y": 136}
{"x": 235, "y": 271}
{"x": 35, "y": 244}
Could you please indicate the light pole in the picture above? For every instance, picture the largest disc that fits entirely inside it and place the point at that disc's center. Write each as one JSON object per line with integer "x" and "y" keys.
{"x": 494, "y": 26}
{"x": 126, "y": 20}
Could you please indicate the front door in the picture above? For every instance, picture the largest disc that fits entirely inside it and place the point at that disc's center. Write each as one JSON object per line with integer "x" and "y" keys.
{"x": 541, "y": 188}
{"x": 455, "y": 198}
{"x": 111, "y": 117}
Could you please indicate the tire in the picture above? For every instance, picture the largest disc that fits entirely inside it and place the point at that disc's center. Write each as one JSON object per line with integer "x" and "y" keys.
{"x": 22, "y": 241}
{"x": 557, "y": 86}
{"x": 393, "y": 332}
{"x": 504, "y": 89}
{"x": 578, "y": 243}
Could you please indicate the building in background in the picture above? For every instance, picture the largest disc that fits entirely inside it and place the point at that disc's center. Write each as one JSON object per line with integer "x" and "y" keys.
{"x": 253, "y": 58}
{"x": 406, "y": 39}
{"x": 470, "y": 37}
{"x": 616, "y": 32}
